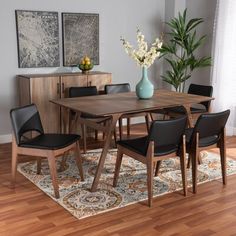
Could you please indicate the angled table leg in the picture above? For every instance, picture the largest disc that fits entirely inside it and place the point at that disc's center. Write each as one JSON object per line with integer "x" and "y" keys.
{"x": 65, "y": 126}
{"x": 109, "y": 132}
{"x": 189, "y": 115}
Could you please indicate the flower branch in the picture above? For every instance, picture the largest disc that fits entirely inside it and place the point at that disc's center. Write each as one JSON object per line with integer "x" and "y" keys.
{"x": 142, "y": 55}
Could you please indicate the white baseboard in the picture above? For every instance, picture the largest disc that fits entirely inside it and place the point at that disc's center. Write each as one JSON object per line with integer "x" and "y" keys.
{"x": 6, "y": 138}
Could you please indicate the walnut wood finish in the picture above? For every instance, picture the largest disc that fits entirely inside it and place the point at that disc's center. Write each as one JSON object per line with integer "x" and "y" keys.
{"x": 194, "y": 152}
{"x": 126, "y": 103}
{"x": 50, "y": 155}
{"x": 150, "y": 161}
{"x": 41, "y": 88}
{"x": 116, "y": 105}
{"x": 40, "y": 91}
{"x": 128, "y": 118}
{"x": 26, "y": 210}
{"x": 99, "y": 80}
{"x": 68, "y": 81}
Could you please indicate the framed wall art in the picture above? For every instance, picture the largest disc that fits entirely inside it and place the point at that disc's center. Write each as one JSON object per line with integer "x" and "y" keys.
{"x": 80, "y": 37}
{"x": 37, "y": 39}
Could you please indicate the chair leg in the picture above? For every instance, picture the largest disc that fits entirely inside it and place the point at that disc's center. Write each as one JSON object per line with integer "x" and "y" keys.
{"x": 115, "y": 137}
{"x": 117, "y": 167}
{"x": 103, "y": 133}
{"x": 152, "y": 119}
{"x": 194, "y": 171}
{"x": 39, "y": 160}
{"x": 223, "y": 161}
{"x": 128, "y": 126}
{"x": 78, "y": 159}
{"x": 14, "y": 161}
{"x": 157, "y": 168}
{"x": 164, "y": 116}
{"x": 150, "y": 181}
{"x": 84, "y": 137}
{"x": 199, "y": 159}
{"x": 194, "y": 152}
{"x": 96, "y": 135}
{"x": 147, "y": 122}
{"x": 189, "y": 161}
{"x": 63, "y": 161}
{"x": 183, "y": 172}
{"x": 73, "y": 121}
{"x": 120, "y": 128}
{"x": 53, "y": 173}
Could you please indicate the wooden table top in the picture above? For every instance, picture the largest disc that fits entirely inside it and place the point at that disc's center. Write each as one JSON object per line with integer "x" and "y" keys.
{"x": 104, "y": 105}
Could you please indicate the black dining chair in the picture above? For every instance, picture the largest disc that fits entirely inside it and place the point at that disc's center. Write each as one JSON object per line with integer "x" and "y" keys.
{"x": 80, "y": 92}
{"x": 165, "y": 139}
{"x": 26, "y": 119}
{"x": 124, "y": 88}
{"x": 196, "y": 109}
{"x": 208, "y": 132}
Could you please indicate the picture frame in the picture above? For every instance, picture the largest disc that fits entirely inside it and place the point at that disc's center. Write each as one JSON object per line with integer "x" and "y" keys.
{"x": 80, "y": 37}
{"x": 37, "y": 39}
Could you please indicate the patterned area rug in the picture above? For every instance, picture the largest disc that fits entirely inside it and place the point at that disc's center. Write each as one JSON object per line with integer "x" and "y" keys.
{"x": 131, "y": 188}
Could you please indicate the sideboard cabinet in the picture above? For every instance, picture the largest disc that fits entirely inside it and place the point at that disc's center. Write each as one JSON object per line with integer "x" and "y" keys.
{"x": 41, "y": 88}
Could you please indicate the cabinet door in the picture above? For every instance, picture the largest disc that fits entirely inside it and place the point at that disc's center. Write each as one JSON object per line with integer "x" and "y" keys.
{"x": 44, "y": 89}
{"x": 99, "y": 80}
{"x": 68, "y": 81}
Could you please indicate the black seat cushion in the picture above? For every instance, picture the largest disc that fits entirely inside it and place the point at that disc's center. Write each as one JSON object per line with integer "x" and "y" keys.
{"x": 140, "y": 146}
{"x": 50, "y": 141}
{"x": 203, "y": 142}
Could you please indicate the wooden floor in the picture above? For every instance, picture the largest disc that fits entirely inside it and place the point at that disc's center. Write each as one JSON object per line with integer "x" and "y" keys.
{"x": 26, "y": 210}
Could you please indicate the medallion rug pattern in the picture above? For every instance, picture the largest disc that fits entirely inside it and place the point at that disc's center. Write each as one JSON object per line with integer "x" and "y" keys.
{"x": 131, "y": 188}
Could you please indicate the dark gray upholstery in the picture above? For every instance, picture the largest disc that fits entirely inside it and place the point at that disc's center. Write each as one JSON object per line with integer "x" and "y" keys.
{"x": 209, "y": 126}
{"x": 26, "y": 119}
{"x": 196, "y": 89}
{"x": 117, "y": 88}
{"x": 166, "y": 134}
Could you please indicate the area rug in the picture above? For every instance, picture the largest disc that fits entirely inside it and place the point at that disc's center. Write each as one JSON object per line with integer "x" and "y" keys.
{"x": 131, "y": 188}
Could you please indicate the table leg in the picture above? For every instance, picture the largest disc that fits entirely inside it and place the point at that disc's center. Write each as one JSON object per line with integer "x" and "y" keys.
{"x": 109, "y": 132}
{"x": 65, "y": 120}
{"x": 189, "y": 115}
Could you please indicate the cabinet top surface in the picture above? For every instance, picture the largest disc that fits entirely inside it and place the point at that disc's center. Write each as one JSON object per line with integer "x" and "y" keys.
{"x": 62, "y": 74}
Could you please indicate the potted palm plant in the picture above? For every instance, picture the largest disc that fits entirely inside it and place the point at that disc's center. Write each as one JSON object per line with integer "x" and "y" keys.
{"x": 180, "y": 51}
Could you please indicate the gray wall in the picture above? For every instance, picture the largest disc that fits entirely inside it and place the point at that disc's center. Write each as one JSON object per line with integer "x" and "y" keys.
{"x": 206, "y": 10}
{"x": 116, "y": 18}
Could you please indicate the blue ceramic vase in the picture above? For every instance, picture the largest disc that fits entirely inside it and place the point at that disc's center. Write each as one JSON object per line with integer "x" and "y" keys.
{"x": 144, "y": 88}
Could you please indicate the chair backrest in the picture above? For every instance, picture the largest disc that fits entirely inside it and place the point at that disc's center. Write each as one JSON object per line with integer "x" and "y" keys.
{"x": 210, "y": 124}
{"x": 25, "y": 119}
{"x": 202, "y": 90}
{"x": 82, "y": 91}
{"x": 167, "y": 132}
{"x": 117, "y": 88}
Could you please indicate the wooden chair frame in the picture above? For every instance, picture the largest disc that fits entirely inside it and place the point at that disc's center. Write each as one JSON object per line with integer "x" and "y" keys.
{"x": 51, "y": 155}
{"x": 99, "y": 121}
{"x": 194, "y": 151}
{"x": 150, "y": 160}
{"x": 128, "y": 117}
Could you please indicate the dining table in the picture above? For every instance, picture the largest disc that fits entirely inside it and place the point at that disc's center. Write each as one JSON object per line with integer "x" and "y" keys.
{"x": 115, "y": 106}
